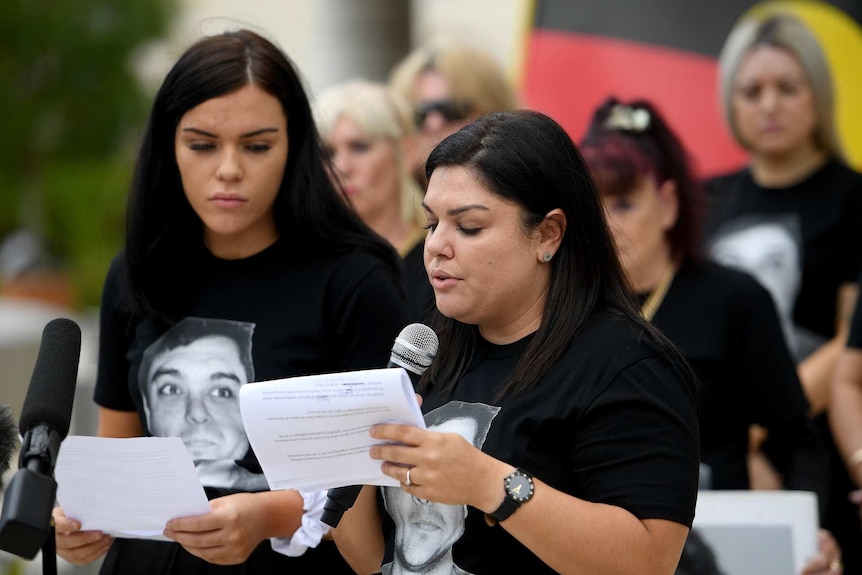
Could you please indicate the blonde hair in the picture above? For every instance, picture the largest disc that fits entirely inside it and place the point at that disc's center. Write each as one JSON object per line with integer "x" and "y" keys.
{"x": 379, "y": 113}
{"x": 788, "y": 33}
{"x": 473, "y": 75}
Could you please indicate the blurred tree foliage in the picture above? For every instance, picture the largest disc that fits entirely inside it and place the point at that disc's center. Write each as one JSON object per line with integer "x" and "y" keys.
{"x": 71, "y": 110}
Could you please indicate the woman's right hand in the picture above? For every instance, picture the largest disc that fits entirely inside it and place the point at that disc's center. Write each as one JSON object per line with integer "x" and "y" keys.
{"x": 76, "y": 546}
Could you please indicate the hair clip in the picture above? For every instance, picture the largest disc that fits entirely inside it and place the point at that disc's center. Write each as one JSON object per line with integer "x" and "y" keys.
{"x": 627, "y": 119}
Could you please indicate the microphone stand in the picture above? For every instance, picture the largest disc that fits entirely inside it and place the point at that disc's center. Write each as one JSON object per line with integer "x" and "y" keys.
{"x": 46, "y": 444}
{"x": 26, "y": 522}
{"x": 49, "y": 552}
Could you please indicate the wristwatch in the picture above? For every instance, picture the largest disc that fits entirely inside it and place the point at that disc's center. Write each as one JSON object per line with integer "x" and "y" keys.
{"x": 519, "y": 489}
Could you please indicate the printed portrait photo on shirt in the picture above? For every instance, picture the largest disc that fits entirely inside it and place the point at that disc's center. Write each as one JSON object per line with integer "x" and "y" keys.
{"x": 769, "y": 248}
{"x": 425, "y": 532}
{"x": 190, "y": 379}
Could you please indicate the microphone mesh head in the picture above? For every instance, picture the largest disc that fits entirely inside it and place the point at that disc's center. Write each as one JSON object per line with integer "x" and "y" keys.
{"x": 52, "y": 387}
{"x": 415, "y": 348}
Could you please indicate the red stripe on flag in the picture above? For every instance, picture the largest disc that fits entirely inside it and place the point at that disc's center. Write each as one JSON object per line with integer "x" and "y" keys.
{"x": 569, "y": 75}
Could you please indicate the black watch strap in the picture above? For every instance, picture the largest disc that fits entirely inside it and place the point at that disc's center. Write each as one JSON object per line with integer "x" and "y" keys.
{"x": 506, "y": 508}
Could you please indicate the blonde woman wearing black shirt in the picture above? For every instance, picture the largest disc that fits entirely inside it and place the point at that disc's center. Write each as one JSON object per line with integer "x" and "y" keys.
{"x": 776, "y": 90}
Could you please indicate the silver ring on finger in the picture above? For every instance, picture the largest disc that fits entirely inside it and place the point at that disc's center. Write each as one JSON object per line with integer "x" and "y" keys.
{"x": 407, "y": 481}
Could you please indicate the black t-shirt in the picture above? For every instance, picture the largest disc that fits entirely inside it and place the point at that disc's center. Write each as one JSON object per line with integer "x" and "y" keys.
{"x": 614, "y": 421}
{"x": 813, "y": 230}
{"x": 303, "y": 317}
{"x": 726, "y": 325}
{"x": 801, "y": 241}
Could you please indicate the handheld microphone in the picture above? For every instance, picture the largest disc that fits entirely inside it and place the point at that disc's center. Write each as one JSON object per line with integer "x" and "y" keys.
{"x": 25, "y": 522}
{"x": 414, "y": 350}
{"x": 8, "y": 440}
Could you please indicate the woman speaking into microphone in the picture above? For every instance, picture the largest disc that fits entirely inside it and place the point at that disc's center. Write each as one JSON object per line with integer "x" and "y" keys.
{"x": 587, "y": 457}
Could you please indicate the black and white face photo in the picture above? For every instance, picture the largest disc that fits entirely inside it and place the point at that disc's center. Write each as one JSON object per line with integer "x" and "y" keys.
{"x": 190, "y": 380}
{"x": 424, "y": 531}
{"x": 770, "y": 251}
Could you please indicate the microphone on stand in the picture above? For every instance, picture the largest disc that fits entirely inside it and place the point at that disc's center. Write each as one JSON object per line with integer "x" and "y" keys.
{"x": 414, "y": 350}
{"x": 25, "y": 522}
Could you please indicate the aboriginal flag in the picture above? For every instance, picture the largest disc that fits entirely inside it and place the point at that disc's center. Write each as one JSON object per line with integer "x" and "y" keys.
{"x": 581, "y": 51}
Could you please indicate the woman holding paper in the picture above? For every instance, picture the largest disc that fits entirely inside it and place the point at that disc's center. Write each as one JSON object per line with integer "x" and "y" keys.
{"x": 232, "y": 219}
{"x": 590, "y": 464}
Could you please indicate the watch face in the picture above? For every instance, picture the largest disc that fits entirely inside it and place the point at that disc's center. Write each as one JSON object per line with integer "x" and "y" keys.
{"x": 519, "y": 487}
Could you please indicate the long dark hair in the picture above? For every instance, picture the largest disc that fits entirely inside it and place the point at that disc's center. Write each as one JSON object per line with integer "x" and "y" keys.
{"x": 620, "y": 151}
{"x": 527, "y": 158}
{"x": 164, "y": 236}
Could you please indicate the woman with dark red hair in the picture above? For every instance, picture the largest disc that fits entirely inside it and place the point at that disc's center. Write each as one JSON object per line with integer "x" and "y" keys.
{"x": 723, "y": 320}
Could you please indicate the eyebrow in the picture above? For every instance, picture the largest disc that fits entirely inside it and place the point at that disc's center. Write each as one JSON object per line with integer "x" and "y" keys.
{"x": 213, "y": 376}
{"x": 460, "y": 210}
{"x": 246, "y": 135}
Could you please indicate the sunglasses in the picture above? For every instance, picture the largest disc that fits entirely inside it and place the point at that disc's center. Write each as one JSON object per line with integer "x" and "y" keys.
{"x": 451, "y": 111}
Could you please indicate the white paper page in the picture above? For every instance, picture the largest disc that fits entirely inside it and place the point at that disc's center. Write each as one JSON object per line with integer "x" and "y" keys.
{"x": 312, "y": 432}
{"x": 128, "y": 487}
{"x": 759, "y": 532}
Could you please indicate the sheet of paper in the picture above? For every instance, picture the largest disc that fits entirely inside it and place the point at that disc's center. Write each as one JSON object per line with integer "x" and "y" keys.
{"x": 312, "y": 432}
{"x": 758, "y": 532}
{"x": 128, "y": 487}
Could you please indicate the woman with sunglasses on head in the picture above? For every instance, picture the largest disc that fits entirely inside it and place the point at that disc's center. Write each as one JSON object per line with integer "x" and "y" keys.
{"x": 232, "y": 219}
{"x": 448, "y": 84}
{"x": 590, "y": 460}
{"x": 363, "y": 126}
{"x": 777, "y": 96}
{"x": 723, "y": 321}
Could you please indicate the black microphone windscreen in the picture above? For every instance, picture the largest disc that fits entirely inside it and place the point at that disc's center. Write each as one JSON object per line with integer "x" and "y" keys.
{"x": 52, "y": 387}
{"x": 8, "y": 439}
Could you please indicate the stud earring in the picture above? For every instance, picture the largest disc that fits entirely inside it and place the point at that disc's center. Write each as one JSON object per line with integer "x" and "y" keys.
{"x": 546, "y": 257}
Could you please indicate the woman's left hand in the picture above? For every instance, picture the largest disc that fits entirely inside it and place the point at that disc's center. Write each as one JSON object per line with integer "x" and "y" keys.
{"x": 226, "y": 535}
{"x": 828, "y": 559}
{"x": 443, "y": 467}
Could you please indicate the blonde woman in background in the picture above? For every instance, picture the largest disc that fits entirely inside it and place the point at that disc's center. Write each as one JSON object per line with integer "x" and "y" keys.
{"x": 778, "y": 100}
{"x": 448, "y": 84}
{"x": 363, "y": 126}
